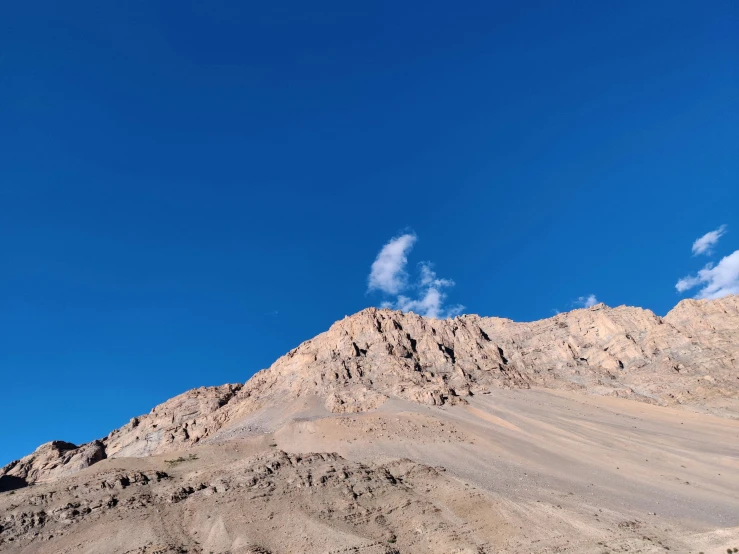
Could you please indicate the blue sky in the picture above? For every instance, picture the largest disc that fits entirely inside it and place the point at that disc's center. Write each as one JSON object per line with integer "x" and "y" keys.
{"x": 188, "y": 190}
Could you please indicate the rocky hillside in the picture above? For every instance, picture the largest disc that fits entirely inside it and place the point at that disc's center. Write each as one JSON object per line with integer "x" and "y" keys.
{"x": 254, "y": 490}
{"x": 690, "y": 357}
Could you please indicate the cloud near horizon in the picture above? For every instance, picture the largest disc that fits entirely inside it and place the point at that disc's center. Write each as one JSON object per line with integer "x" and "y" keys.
{"x": 586, "y": 301}
{"x": 389, "y": 276}
{"x": 705, "y": 244}
{"x": 717, "y": 281}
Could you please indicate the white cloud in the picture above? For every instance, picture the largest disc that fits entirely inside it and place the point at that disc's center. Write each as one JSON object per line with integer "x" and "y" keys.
{"x": 428, "y": 277}
{"x": 717, "y": 281}
{"x": 586, "y": 301}
{"x": 388, "y": 275}
{"x": 430, "y": 302}
{"x": 388, "y": 270}
{"x": 705, "y": 244}
{"x": 687, "y": 283}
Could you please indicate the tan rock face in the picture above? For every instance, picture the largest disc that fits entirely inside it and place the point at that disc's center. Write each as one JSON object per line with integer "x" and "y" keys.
{"x": 375, "y": 354}
{"x": 49, "y": 462}
{"x": 179, "y": 422}
{"x": 631, "y": 352}
{"x": 690, "y": 357}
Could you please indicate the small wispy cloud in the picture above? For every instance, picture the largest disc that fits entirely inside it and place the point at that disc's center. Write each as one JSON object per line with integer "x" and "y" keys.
{"x": 687, "y": 283}
{"x": 388, "y": 270}
{"x": 430, "y": 301}
{"x": 428, "y": 277}
{"x": 705, "y": 244}
{"x": 716, "y": 281}
{"x": 586, "y": 301}
{"x": 389, "y": 276}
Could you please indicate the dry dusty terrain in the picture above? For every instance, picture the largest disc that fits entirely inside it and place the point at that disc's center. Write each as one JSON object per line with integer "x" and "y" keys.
{"x": 395, "y": 434}
{"x": 512, "y": 471}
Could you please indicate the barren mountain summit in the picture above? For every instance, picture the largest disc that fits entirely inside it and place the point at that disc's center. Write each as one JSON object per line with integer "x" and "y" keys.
{"x": 689, "y": 356}
{"x": 385, "y": 375}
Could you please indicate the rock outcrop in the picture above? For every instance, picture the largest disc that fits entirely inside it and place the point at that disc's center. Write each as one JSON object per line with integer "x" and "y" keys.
{"x": 689, "y": 357}
{"x": 178, "y": 422}
{"x": 49, "y": 462}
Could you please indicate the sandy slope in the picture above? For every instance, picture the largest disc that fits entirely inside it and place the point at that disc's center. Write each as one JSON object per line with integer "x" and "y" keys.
{"x": 511, "y": 471}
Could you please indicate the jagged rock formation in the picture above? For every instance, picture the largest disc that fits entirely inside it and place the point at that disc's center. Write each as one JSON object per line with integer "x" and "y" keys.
{"x": 689, "y": 357}
{"x": 50, "y": 461}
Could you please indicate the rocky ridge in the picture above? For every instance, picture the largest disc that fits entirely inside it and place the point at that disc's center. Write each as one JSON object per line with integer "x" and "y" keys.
{"x": 688, "y": 358}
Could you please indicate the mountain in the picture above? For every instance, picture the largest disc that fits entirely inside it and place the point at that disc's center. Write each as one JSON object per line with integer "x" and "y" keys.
{"x": 406, "y": 408}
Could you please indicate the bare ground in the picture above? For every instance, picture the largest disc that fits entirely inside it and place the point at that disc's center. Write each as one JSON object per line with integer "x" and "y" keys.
{"x": 512, "y": 471}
